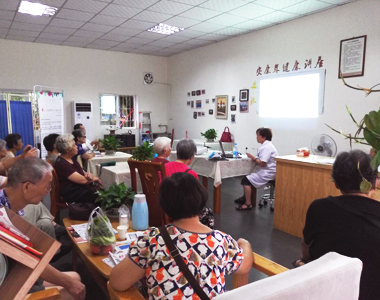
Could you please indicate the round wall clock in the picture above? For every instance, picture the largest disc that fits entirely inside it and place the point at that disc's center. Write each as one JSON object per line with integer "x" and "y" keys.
{"x": 148, "y": 78}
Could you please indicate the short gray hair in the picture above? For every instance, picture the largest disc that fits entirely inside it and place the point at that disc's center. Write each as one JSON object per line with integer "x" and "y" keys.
{"x": 160, "y": 144}
{"x": 64, "y": 143}
{"x": 2, "y": 144}
{"x": 78, "y": 133}
{"x": 30, "y": 169}
{"x": 186, "y": 149}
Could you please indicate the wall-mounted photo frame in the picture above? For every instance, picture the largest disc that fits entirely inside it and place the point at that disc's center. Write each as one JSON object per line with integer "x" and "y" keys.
{"x": 244, "y": 106}
{"x": 192, "y": 104}
{"x": 203, "y": 113}
{"x": 233, "y": 99}
{"x": 188, "y": 94}
{"x": 188, "y": 103}
{"x": 210, "y": 111}
{"x": 203, "y": 92}
{"x": 244, "y": 95}
{"x": 198, "y": 104}
{"x": 195, "y": 115}
{"x": 233, "y": 107}
{"x": 193, "y": 93}
{"x": 207, "y": 101}
{"x": 233, "y": 118}
{"x": 352, "y": 56}
{"x": 221, "y": 107}
{"x": 198, "y": 92}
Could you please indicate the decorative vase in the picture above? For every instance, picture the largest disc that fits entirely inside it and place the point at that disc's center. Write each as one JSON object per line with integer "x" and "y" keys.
{"x": 110, "y": 152}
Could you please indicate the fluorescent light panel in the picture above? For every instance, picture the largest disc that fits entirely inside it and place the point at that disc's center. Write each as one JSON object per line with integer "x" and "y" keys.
{"x": 36, "y": 9}
{"x": 165, "y": 29}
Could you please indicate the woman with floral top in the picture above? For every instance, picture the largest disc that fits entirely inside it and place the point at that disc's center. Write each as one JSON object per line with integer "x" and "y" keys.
{"x": 209, "y": 254}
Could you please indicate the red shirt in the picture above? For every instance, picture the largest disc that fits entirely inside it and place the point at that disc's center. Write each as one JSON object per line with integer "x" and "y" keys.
{"x": 175, "y": 167}
{"x": 160, "y": 160}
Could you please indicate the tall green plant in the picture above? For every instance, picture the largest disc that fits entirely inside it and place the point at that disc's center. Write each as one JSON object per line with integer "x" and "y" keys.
{"x": 143, "y": 152}
{"x": 110, "y": 143}
{"x": 368, "y": 133}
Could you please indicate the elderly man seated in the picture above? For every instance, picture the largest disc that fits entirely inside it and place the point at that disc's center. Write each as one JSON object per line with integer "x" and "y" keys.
{"x": 162, "y": 148}
{"x": 29, "y": 181}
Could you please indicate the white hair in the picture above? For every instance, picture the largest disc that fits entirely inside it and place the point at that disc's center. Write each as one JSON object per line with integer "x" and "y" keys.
{"x": 64, "y": 143}
{"x": 160, "y": 144}
{"x": 2, "y": 144}
{"x": 31, "y": 169}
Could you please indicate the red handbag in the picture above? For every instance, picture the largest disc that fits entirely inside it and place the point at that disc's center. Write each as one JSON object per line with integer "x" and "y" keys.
{"x": 226, "y": 136}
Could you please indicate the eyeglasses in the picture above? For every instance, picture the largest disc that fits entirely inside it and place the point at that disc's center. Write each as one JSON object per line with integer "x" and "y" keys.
{"x": 47, "y": 189}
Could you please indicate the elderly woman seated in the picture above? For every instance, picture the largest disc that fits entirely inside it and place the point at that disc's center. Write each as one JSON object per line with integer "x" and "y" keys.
{"x": 162, "y": 148}
{"x": 80, "y": 139}
{"x": 186, "y": 150}
{"x": 209, "y": 254}
{"x": 348, "y": 224}
{"x": 76, "y": 185}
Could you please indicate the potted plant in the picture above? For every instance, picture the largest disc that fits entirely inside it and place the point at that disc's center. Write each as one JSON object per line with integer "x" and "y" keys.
{"x": 114, "y": 196}
{"x": 110, "y": 144}
{"x": 143, "y": 152}
{"x": 210, "y": 135}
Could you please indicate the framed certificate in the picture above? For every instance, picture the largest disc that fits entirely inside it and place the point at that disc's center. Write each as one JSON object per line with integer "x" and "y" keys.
{"x": 352, "y": 57}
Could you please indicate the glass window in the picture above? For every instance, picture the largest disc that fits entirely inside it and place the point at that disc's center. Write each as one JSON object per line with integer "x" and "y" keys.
{"x": 298, "y": 95}
{"x": 108, "y": 109}
{"x": 118, "y": 107}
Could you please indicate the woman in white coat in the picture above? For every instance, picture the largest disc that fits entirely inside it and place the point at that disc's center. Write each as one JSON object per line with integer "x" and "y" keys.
{"x": 266, "y": 170}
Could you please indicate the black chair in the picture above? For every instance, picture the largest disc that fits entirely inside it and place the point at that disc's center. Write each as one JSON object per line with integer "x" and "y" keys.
{"x": 268, "y": 197}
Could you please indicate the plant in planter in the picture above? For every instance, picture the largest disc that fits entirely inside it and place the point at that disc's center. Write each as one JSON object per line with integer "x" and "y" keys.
{"x": 210, "y": 135}
{"x": 143, "y": 152}
{"x": 110, "y": 144}
{"x": 114, "y": 196}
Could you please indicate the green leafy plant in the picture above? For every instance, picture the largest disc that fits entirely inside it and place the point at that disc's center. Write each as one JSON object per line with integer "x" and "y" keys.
{"x": 368, "y": 133}
{"x": 143, "y": 152}
{"x": 210, "y": 134}
{"x": 110, "y": 143}
{"x": 115, "y": 195}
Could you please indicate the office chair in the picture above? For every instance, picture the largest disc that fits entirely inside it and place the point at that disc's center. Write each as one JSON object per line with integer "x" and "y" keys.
{"x": 268, "y": 197}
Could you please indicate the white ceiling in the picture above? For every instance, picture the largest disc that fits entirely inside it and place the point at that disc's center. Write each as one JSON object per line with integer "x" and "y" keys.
{"x": 120, "y": 25}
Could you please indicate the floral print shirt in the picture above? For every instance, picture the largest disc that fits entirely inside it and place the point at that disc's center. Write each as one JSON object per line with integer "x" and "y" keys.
{"x": 209, "y": 256}
{"x": 5, "y": 202}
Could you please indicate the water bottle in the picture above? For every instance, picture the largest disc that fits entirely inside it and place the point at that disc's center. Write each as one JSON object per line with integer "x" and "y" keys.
{"x": 140, "y": 215}
{"x": 236, "y": 151}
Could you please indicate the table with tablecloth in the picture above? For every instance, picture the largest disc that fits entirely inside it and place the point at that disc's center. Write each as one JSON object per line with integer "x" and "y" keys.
{"x": 211, "y": 145}
{"x": 119, "y": 173}
{"x": 91, "y": 163}
{"x": 218, "y": 170}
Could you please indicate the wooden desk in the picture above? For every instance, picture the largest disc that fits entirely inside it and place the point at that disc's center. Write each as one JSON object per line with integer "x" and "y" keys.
{"x": 299, "y": 181}
{"x": 99, "y": 270}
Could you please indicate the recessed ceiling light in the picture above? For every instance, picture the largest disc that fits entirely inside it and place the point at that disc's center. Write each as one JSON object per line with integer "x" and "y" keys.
{"x": 36, "y": 9}
{"x": 165, "y": 29}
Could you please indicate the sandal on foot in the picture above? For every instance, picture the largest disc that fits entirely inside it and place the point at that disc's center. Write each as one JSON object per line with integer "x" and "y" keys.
{"x": 240, "y": 200}
{"x": 244, "y": 207}
{"x": 299, "y": 263}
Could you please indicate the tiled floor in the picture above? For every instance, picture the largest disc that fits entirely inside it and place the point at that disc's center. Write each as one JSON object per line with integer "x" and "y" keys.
{"x": 255, "y": 225}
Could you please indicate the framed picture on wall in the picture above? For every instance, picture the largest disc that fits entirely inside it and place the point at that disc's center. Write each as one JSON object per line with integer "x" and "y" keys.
{"x": 210, "y": 111}
{"x": 221, "y": 107}
{"x": 244, "y": 95}
{"x": 198, "y": 104}
{"x": 233, "y": 107}
{"x": 352, "y": 57}
{"x": 244, "y": 106}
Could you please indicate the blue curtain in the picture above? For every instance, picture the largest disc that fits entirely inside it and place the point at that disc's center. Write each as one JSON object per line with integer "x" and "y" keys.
{"x": 3, "y": 119}
{"x": 22, "y": 121}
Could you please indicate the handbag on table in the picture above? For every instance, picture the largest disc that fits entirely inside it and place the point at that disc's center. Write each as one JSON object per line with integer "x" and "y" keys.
{"x": 226, "y": 136}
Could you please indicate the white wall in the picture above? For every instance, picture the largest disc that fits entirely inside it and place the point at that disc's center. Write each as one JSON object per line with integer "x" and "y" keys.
{"x": 83, "y": 74}
{"x": 229, "y": 66}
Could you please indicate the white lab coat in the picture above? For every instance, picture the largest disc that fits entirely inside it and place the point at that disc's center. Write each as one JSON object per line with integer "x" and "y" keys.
{"x": 266, "y": 153}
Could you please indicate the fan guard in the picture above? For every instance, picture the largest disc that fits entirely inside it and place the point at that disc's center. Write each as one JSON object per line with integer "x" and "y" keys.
{"x": 324, "y": 145}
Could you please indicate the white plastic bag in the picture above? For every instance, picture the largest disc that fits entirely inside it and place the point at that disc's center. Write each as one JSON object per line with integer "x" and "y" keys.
{"x": 124, "y": 215}
{"x": 100, "y": 233}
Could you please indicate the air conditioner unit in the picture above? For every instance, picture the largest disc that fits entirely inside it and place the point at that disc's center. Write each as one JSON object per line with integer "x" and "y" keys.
{"x": 82, "y": 113}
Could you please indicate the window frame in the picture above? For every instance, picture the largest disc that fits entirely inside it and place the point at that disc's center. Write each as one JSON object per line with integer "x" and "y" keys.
{"x": 321, "y": 89}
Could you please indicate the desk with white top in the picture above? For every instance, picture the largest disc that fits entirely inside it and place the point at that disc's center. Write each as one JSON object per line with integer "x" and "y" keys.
{"x": 299, "y": 181}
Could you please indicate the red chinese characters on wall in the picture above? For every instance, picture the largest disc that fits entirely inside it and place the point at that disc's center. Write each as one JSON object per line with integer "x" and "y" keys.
{"x": 285, "y": 67}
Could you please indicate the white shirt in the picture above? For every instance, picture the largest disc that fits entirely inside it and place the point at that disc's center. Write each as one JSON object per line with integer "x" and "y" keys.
{"x": 2, "y": 180}
{"x": 87, "y": 146}
{"x": 266, "y": 153}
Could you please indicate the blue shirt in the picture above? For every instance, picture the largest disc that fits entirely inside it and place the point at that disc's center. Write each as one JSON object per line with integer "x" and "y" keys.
{"x": 81, "y": 151}
{"x": 5, "y": 201}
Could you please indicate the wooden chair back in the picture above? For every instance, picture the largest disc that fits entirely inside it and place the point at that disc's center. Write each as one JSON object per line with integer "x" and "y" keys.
{"x": 151, "y": 175}
{"x": 57, "y": 202}
{"x": 171, "y": 143}
{"x": 260, "y": 263}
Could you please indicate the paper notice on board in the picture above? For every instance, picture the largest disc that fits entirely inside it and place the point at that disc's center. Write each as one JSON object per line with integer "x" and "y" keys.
{"x": 352, "y": 57}
{"x": 50, "y": 108}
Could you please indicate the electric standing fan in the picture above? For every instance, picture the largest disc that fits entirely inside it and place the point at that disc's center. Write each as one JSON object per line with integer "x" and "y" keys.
{"x": 323, "y": 145}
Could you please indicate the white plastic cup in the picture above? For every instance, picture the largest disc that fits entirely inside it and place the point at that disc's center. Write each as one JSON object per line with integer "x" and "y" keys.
{"x": 122, "y": 231}
{"x": 124, "y": 220}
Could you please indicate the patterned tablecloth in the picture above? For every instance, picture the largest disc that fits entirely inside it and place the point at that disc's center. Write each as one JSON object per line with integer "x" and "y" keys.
{"x": 219, "y": 169}
{"x": 118, "y": 157}
{"x": 119, "y": 173}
